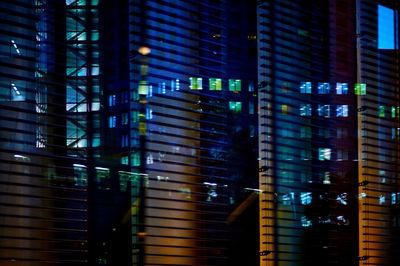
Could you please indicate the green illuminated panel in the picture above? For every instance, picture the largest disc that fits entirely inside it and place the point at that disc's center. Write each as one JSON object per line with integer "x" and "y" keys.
{"x": 215, "y": 84}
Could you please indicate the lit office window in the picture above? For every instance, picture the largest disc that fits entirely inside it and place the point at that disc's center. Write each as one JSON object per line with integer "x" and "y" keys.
{"x": 305, "y": 198}
{"x": 360, "y": 89}
{"x": 196, "y": 83}
{"x": 324, "y": 154}
{"x": 125, "y": 160}
{"x": 135, "y": 158}
{"x": 324, "y": 110}
{"x": 342, "y": 88}
{"x": 124, "y": 140}
{"x": 17, "y": 94}
{"x": 235, "y": 85}
{"x": 149, "y": 113}
{"x": 305, "y": 87}
{"x": 215, "y": 84}
{"x": 112, "y": 121}
{"x": 112, "y": 100}
{"x": 305, "y": 109}
{"x": 387, "y": 37}
{"x": 342, "y": 110}
{"x": 323, "y": 88}
{"x": 235, "y": 107}
{"x": 393, "y": 112}
{"x": 381, "y": 111}
{"x": 285, "y": 109}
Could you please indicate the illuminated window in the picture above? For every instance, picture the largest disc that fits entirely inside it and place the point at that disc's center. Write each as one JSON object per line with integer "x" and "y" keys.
{"x": 284, "y": 109}
{"x": 342, "y": 110}
{"x": 143, "y": 87}
{"x": 235, "y": 107}
{"x": 135, "y": 116}
{"x": 251, "y": 108}
{"x": 305, "y": 87}
{"x": 381, "y": 111}
{"x": 305, "y": 109}
{"x": 215, "y": 84}
{"x": 342, "y": 88}
{"x": 112, "y": 121}
{"x": 112, "y": 100}
{"x": 196, "y": 83}
{"x": 149, "y": 113}
{"x": 135, "y": 159}
{"x": 324, "y": 110}
{"x": 17, "y": 94}
{"x": 251, "y": 86}
{"x": 342, "y": 155}
{"x": 323, "y": 87}
{"x": 305, "y": 198}
{"x": 305, "y": 132}
{"x": 360, "y": 89}
{"x": 235, "y": 85}
{"x": 387, "y": 37}
{"x": 125, "y": 160}
{"x": 324, "y": 154}
{"x": 393, "y": 112}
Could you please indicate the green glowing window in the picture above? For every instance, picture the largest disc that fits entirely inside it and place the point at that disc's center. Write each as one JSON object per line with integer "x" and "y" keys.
{"x": 215, "y": 84}
{"x": 360, "y": 89}
{"x": 143, "y": 87}
{"x": 196, "y": 83}
{"x": 235, "y": 107}
{"x": 235, "y": 85}
{"x": 393, "y": 112}
{"x": 284, "y": 109}
{"x": 381, "y": 111}
{"x": 125, "y": 160}
{"x": 135, "y": 116}
{"x": 135, "y": 159}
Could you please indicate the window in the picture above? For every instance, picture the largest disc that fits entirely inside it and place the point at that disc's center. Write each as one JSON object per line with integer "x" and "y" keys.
{"x": 381, "y": 111}
{"x": 342, "y": 88}
{"x": 341, "y": 132}
{"x": 112, "y": 121}
{"x": 323, "y": 88}
{"x": 125, "y": 97}
{"x": 143, "y": 87}
{"x": 387, "y": 37}
{"x": 251, "y": 86}
{"x": 112, "y": 100}
{"x": 305, "y": 87}
{"x": 360, "y": 89}
{"x": 393, "y": 112}
{"x": 305, "y": 132}
{"x": 135, "y": 159}
{"x": 196, "y": 83}
{"x": 251, "y": 107}
{"x": 324, "y": 154}
{"x": 215, "y": 84}
{"x": 342, "y": 155}
{"x": 124, "y": 118}
{"x": 305, "y": 198}
{"x": 16, "y": 93}
{"x": 235, "y": 85}
{"x": 149, "y": 113}
{"x": 124, "y": 140}
{"x": 284, "y": 109}
{"x": 305, "y": 155}
{"x": 125, "y": 160}
{"x": 235, "y": 107}
{"x": 324, "y": 110}
{"x": 342, "y": 111}
{"x": 305, "y": 109}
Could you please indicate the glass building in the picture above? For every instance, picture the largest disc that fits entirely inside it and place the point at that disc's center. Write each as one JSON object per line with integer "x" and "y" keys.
{"x": 328, "y": 143}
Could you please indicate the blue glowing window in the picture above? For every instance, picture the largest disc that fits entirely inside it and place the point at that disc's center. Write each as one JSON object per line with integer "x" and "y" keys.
{"x": 305, "y": 87}
{"x": 305, "y": 110}
{"x": 112, "y": 121}
{"x": 323, "y": 88}
{"x": 342, "y": 110}
{"x": 387, "y": 38}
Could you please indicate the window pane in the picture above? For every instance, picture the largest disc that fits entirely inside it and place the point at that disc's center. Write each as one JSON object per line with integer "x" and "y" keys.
{"x": 386, "y": 34}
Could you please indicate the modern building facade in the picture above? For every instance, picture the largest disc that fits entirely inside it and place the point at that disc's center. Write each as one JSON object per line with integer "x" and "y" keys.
{"x": 328, "y": 78}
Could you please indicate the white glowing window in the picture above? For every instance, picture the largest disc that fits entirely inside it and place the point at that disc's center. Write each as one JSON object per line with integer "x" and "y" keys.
{"x": 342, "y": 88}
{"x": 305, "y": 198}
{"x": 324, "y": 154}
